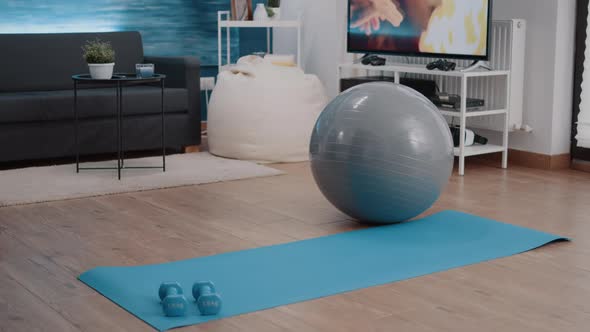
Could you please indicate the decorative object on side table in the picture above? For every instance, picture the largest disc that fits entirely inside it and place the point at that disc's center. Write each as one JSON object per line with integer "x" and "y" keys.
{"x": 100, "y": 57}
{"x": 274, "y": 7}
{"x": 261, "y": 54}
{"x": 260, "y": 13}
{"x": 241, "y": 10}
{"x": 144, "y": 70}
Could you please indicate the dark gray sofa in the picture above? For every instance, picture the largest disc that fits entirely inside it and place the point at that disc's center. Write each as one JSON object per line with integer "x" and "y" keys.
{"x": 36, "y": 98}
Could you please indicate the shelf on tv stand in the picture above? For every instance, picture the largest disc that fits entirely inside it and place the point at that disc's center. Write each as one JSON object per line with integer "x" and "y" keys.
{"x": 477, "y": 149}
{"x": 421, "y": 69}
{"x": 462, "y": 151}
{"x": 472, "y": 113}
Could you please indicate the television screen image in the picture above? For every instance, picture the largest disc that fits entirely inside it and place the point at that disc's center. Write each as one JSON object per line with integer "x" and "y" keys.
{"x": 435, "y": 28}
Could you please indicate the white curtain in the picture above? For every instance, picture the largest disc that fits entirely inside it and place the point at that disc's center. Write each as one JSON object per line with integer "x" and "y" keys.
{"x": 583, "y": 136}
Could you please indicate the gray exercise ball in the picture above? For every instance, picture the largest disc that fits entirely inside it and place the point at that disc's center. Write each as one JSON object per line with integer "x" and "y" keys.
{"x": 381, "y": 153}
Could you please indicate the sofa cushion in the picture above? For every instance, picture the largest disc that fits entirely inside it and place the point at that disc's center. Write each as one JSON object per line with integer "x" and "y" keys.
{"x": 46, "y": 61}
{"x": 92, "y": 103}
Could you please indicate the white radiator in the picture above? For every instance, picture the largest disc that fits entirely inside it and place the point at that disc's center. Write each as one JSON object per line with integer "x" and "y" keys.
{"x": 507, "y": 52}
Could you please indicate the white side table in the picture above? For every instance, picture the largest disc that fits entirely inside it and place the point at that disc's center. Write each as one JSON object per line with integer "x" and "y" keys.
{"x": 224, "y": 21}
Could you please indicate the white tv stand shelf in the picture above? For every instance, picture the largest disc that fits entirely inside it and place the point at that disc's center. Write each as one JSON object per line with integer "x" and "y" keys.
{"x": 462, "y": 151}
{"x": 224, "y": 22}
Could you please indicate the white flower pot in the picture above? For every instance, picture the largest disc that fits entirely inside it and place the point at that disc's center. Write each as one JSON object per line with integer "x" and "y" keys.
{"x": 260, "y": 13}
{"x": 277, "y": 11}
{"x": 101, "y": 71}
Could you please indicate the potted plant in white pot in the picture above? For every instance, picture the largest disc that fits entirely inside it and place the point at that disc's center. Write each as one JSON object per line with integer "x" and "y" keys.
{"x": 100, "y": 57}
{"x": 274, "y": 7}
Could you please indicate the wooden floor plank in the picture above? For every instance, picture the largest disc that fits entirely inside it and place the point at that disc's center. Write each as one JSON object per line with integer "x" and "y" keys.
{"x": 20, "y": 310}
{"x": 43, "y": 247}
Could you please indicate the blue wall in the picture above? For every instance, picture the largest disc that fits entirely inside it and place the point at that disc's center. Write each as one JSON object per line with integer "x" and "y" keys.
{"x": 168, "y": 27}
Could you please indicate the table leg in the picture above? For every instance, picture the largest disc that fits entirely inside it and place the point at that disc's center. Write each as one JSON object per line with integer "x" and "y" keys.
{"x": 299, "y": 42}
{"x": 506, "y": 125}
{"x": 163, "y": 130}
{"x": 76, "y": 144}
{"x": 122, "y": 140}
{"x": 228, "y": 45}
{"x": 219, "y": 49}
{"x": 119, "y": 130}
{"x": 268, "y": 50}
{"x": 463, "y": 126}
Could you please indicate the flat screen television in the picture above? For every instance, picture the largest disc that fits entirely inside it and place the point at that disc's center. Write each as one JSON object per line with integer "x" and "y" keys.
{"x": 456, "y": 29}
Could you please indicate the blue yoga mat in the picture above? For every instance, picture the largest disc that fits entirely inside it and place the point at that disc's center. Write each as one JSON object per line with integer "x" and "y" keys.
{"x": 267, "y": 277}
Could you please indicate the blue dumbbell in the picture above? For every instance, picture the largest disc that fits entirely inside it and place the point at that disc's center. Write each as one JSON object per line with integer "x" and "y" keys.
{"x": 173, "y": 302}
{"x": 208, "y": 301}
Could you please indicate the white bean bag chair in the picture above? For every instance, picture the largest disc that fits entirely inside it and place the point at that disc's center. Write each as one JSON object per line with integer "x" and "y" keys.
{"x": 264, "y": 112}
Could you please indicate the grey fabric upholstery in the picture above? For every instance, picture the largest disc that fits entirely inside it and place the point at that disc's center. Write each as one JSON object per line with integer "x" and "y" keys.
{"x": 36, "y": 98}
{"x": 44, "y": 140}
{"x": 182, "y": 72}
{"x": 34, "y": 62}
{"x": 92, "y": 103}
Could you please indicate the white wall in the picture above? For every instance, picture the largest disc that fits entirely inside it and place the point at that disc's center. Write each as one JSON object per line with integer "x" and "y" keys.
{"x": 549, "y": 60}
{"x": 548, "y": 72}
{"x": 539, "y": 72}
{"x": 564, "y": 64}
{"x": 323, "y": 36}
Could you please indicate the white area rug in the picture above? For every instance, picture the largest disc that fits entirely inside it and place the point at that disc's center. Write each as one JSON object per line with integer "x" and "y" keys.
{"x": 52, "y": 183}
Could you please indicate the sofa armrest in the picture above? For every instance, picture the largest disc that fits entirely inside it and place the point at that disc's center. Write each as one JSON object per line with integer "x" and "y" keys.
{"x": 182, "y": 72}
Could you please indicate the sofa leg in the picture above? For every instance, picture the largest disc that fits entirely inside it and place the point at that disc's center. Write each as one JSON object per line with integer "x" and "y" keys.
{"x": 192, "y": 149}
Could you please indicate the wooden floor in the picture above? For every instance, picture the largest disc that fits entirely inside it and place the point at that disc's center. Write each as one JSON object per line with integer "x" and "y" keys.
{"x": 43, "y": 247}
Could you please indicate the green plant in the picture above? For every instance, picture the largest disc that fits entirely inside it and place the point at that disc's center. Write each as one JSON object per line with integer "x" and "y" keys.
{"x": 97, "y": 51}
{"x": 269, "y": 11}
{"x": 273, "y": 3}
